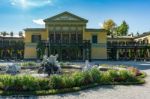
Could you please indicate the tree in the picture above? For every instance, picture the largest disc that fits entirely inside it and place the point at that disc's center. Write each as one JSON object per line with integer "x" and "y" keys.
{"x": 40, "y": 50}
{"x": 109, "y": 25}
{"x": 4, "y": 33}
{"x": 123, "y": 29}
{"x": 20, "y": 33}
{"x": 137, "y": 34}
{"x": 11, "y": 33}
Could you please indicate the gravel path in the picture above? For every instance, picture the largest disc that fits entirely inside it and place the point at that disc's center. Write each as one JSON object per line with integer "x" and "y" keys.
{"x": 108, "y": 92}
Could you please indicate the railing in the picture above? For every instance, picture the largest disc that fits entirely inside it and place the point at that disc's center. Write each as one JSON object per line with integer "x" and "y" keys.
{"x": 11, "y": 44}
{"x": 127, "y": 45}
{"x": 84, "y": 43}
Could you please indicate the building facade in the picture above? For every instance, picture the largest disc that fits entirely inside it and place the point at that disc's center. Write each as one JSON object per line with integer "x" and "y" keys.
{"x": 66, "y": 35}
{"x": 129, "y": 47}
{"x": 11, "y": 47}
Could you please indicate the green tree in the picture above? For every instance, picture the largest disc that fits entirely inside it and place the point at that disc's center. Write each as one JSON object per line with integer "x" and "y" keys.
{"x": 109, "y": 25}
{"x": 4, "y": 33}
{"x": 40, "y": 50}
{"x": 123, "y": 29}
{"x": 11, "y": 33}
{"x": 20, "y": 33}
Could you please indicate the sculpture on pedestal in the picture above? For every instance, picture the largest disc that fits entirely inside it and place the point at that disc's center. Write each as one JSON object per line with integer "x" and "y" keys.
{"x": 50, "y": 65}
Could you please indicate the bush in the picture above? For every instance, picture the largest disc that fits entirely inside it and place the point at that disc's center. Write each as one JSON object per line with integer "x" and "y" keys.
{"x": 68, "y": 82}
{"x": 44, "y": 84}
{"x": 135, "y": 71}
{"x": 127, "y": 76}
{"x": 114, "y": 76}
{"x": 1, "y": 85}
{"x": 77, "y": 79}
{"x": 106, "y": 78}
{"x": 96, "y": 75}
{"x": 22, "y": 83}
{"x": 56, "y": 82}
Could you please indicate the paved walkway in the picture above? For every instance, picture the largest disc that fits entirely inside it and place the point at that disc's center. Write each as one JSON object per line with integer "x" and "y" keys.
{"x": 108, "y": 92}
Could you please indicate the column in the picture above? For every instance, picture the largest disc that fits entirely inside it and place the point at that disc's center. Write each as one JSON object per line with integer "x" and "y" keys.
{"x": 76, "y": 35}
{"x": 60, "y": 36}
{"x": 69, "y": 31}
{"x": 117, "y": 57}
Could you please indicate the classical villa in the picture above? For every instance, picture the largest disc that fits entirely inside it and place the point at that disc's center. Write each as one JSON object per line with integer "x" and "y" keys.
{"x": 66, "y": 35}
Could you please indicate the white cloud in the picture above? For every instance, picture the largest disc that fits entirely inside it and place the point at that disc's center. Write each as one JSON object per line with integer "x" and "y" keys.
{"x": 38, "y": 21}
{"x": 30, "y": 3}
{"x": 100, "y": 25}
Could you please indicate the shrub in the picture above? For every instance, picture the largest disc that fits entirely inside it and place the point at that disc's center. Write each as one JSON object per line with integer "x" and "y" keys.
{"x": 56, "y": 82}
{"x": 127, "y": 76}
{"x": 106, "y": 78}
{"x": 135, "y": 71}
{"x": 23, "y": 83}
{"x": 78, "y": 78}
{"x": 68, "y": 82}
{"x": 1, "y": 85}
{"x": 88, "y": 79}
{"x": 30, "y": 83}
{"x": 44, "y": 84}
{"x": 114, "y": 76}
{"x": 96, "y": 75}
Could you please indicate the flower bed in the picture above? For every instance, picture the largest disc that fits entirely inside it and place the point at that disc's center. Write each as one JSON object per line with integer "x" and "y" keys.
{"x": 65, "y": 83}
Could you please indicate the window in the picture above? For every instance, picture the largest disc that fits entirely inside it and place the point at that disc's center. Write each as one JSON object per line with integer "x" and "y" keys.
{"x": 73, "y": 38}
{"x": 36, "y": 38}
{"x": 51, "y": 38}
{"x": 80, "y": 38}
{"x": 65, "y": 38}
{"x": 58, "y": 38}
{"x": 94, "y": 39}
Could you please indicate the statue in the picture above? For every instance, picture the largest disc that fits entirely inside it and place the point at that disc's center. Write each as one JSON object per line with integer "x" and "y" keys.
{"x": 87, "y": 66}
{"x": 50, "y": 65}
{"x": 13, "y": 69}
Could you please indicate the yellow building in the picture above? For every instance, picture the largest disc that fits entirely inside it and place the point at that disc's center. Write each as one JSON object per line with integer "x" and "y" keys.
{"x": 129, "y": 47}
{"x": 66, "y": 35}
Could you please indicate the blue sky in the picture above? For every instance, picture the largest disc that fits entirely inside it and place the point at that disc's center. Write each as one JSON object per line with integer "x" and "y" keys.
{"x": 15, "y": 15}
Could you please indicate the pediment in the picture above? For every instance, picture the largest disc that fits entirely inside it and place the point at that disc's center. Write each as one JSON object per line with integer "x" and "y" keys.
{"x": 65, "y": 16}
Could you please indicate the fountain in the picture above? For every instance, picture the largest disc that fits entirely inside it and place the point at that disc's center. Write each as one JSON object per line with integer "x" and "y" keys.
{"x": 87, "y": 66}
{"x": 13, "y": 69}
{"x": 50, "y": 65}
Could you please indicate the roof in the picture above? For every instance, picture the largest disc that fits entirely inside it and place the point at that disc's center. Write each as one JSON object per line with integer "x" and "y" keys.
{"x": 14, "y": 36}
{"x": 142, "y": 35}
{"x": 50, "y": 18}
{"x": 95, "y": 30}
{"x": 34, "y": 29}
{"x": 120, "y": 37}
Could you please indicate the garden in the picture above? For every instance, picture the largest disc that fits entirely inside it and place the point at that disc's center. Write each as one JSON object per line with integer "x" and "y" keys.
{"x": 64, "y": 82}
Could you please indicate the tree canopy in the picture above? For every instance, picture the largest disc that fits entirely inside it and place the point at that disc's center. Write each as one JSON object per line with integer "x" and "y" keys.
{"x": 113, "y": 29}
{"x": 109, "y": 25}
{"x": 123, "y": 29}
{"x": 20, "y": 33}
{"x": 11, "y": 33}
